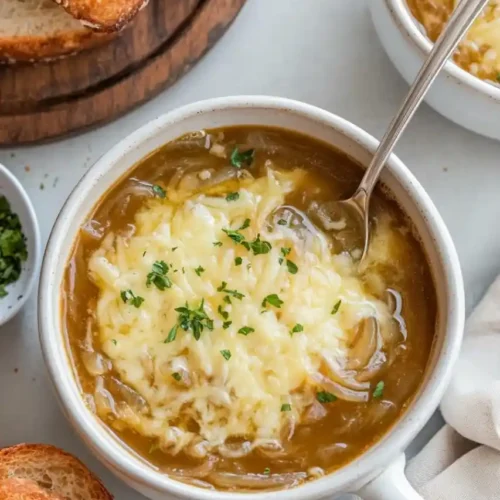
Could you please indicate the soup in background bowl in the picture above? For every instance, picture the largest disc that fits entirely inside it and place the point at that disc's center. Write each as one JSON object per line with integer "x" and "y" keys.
{"x": 217, "y": 326}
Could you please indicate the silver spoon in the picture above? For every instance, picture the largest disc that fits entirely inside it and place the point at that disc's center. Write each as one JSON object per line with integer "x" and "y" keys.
{"x": 359, "y": 203}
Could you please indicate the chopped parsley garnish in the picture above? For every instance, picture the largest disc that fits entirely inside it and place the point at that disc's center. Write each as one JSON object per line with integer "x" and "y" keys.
{"x": 226, "y": 324}
{"x": 245, "y": 330}
{"x": 232, "y": 196}
{"x": 195, "y": 320}
{"x": 273, "y": 300}
{"x": 236, "y": 236}
{"x": 171, "y": 334}
{"x": 238, "y": 261}
{"x": 174, "y": 249}
{"x": 227, "y": 299}
{"x": 326, "y": 397}
{"x": 159, "y": 191}
{"x": 291, "y": 266}
{"x": 129, "y": 297}
{"x": 226, "y": 354}
{"x": 223, "y": 313}
{"x": 245, "y": 225}
{"x": 285, "y": 251}
{"x": 498, "y": 78}
{"x": 217, "y": 243}
{"x": 296, "y": 329}
{"x": 336, "y": 307}
{"x": 158, "y": 276}
{"x": 233, "y": 293}
{"x": 267, "y": 471}
{"x": 13, "y": 250}
{"x": 240, "y": 158}
{"x": 258, "y": 246}
{"x": 177, "y": 376}
{"x": 282, "y": 222}
{"x": 286, "y": 407}
{"x": 114, "y": 341}
{"x": 379, "y": 390}
{"x": 199, "y": 270}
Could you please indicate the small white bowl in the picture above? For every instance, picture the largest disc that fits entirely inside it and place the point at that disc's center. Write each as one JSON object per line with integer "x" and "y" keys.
{"x": 20, "y": 204}
{"x": 339, "y": 133}
{"x": 456, "y": 94}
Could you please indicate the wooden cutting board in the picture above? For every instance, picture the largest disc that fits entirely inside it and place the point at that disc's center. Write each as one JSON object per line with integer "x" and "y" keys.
{"x": 46, "y": 100}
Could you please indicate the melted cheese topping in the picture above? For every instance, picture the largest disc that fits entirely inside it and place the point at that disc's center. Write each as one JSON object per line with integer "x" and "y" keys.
{"x": 269, "y": 369}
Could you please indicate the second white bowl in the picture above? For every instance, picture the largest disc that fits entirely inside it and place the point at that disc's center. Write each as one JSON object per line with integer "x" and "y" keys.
{"x": 456, "y": 94}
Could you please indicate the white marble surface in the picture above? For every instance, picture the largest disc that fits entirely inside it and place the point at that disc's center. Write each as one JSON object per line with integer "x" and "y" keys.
{"x": 324, "y": 52}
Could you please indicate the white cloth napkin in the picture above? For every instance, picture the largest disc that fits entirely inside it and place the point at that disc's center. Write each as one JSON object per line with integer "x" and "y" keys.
{"x": 462, "y": 462}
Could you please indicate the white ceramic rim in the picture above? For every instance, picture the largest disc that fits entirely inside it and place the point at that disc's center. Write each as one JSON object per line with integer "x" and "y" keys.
{"x": 407, "y": 23}
{"x": 115, "y": 456}
{"x": 37, "y": 244}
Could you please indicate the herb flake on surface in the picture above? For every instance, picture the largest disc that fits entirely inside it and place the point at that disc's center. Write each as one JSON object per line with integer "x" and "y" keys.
{"x": 296, "y": 329}
{"x": 336, "y": 307}
{"x": 158, "y": 276}
{"x": 273, "y": 300}
{"x": 245, "y": 330}
{"x": 326, "y": 397}
{"x": 129, "y": 297}
{"x": 240, "y": 158}
{"x": 159, "y": 191}
{"x": 379, "y": 390}
{"x": 232, "y": 196}
{"x": 226, "y": 354}
{"x": 286, "y": 407}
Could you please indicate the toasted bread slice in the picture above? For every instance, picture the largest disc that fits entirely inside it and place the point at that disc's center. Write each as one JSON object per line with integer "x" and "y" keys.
{"x": 103, "y": 15}
{"x": 24, "y": 489}
{"x": 33, "y": 30}
{"x": 54, "y": 471}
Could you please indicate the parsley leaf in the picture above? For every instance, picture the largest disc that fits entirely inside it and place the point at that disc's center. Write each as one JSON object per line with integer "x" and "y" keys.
{"x": 114, "y": 341}
{"x": 272, "y": 299}
{"x": 223, "y": 313}
{"x": 129, "y": 297}
{"x": 285, "y": 251}
{"x": 238, "y": 159}
{"x": 286, "y": 407}
{"x": 258, "y": 247}
{"x": 245, "y": 330}
{"x": 336, "y": 307}
{"x": 217, "y": 243}
{"x": 199, "y": 270}
{"x": 171, "y": 335}
{"x": 238, "y": 261}
{"x": 177, "y": 376}
{"x": 233, "y": 293}
{"x": 245, "y": 225}
{"x": 226, "y": 324}
{"x": 267, "y": 471}
{"x": 326, "y": 397}
{"x": 195, "y": 320}
{"x": 282, "y": 222}
{"x": 379, "y": 390}
{"x": 292, "y": 267}
{"x": 159, "y": 191}
{"x": 296, "y": 329}
{"x": 226, "y": 354}
{"x": 158, "y": 276}
{"x": 232, "y": 196}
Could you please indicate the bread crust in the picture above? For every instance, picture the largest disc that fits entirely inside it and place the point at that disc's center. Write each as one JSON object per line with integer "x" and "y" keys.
{"x": 39, "y": 48}
{"x": 23, "y": 489}
{"x": 108, "y": 16}
{"x": 27, "y": 461}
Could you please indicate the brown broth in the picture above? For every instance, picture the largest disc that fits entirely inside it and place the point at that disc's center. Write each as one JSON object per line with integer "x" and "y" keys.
{"x": 349, "y": 428}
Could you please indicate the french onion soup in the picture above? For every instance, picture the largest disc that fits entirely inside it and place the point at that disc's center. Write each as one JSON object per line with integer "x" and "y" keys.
{"x": 479, "y": 52}
{"x": 219, "y": 321}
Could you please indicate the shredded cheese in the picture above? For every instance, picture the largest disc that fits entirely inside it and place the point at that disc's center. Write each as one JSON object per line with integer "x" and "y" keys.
{"x": 266, "y": 384}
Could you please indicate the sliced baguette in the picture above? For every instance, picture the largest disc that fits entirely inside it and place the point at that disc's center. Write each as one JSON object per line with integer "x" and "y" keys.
{"x": 103, "y": 15}
{"x": 24, "y": 489}
{"x": 33, "y": 30}
{"x": 54, "y": 471}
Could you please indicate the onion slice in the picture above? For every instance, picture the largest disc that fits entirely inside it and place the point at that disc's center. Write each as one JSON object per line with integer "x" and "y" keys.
{"x": 256, "y": 481}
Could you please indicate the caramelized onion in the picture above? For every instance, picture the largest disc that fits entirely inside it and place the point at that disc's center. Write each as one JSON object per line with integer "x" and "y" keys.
{"x": 314, "y": 413}
{"x": 194, "y": 482}
{"x": 395, "y": 302}
{"x": 95, "y": 363}
{"x": 127, "y": 394}
{"x": 256, "y": 481}
{"x": 342, "y": 376}
{"x": 202, "y": 470}
{"x": 235, "y": 450}
{"x": 339, "y": 390}
{"x": 366, "y": 342}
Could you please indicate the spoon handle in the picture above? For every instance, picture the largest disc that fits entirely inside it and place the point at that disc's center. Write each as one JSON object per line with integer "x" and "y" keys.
{"x": 463, "y": 16}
